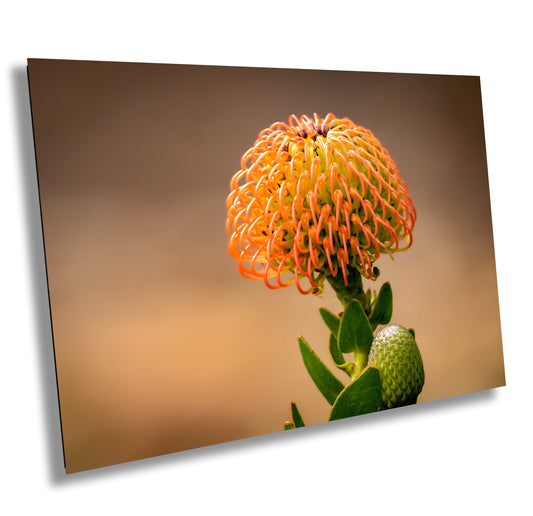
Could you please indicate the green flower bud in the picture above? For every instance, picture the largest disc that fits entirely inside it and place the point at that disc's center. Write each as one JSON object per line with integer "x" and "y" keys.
{"x": 395, "y": 353}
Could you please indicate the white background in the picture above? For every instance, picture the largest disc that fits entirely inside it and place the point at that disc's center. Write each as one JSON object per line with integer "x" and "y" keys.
{"x": 468, "y": 455}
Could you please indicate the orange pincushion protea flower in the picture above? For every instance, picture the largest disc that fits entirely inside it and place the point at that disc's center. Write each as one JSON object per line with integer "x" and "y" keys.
{"x": 313, "y": 197}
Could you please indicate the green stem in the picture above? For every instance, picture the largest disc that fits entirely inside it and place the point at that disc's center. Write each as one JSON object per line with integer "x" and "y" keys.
{"x": 360, "y": 362}
{"x": 347, "y": 293}
{"x": 354, "y": 289}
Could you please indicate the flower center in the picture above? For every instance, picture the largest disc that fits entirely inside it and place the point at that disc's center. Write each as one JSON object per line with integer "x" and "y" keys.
{"x": 310, "y": 130}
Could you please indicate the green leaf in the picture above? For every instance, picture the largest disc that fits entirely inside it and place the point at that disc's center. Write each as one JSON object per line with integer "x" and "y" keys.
{"x": 328, "y": 384}
{"x": 289, "y": 425}
{"x": 296, "y": 418}
{"x": 382, "y": 312}
{"x": 337, "y": 356}
{"x": 334, "y": 350}
{"x": 362, "y": 396}
{"x": 354, "y": 330}
{"x": 332, "y": 321}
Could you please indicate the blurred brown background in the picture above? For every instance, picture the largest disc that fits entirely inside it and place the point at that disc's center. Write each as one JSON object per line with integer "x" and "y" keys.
{"x": 160, "y": 344}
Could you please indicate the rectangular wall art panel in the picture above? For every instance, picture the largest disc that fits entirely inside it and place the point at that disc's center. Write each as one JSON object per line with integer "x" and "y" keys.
{"x": 234, "y": 252}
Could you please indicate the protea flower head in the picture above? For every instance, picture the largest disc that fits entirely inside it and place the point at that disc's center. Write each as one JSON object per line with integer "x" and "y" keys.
{"x": 314, "y": 198}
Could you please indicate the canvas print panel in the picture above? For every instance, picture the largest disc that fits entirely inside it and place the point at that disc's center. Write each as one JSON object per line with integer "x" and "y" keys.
{"x": 162, "y": 344}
